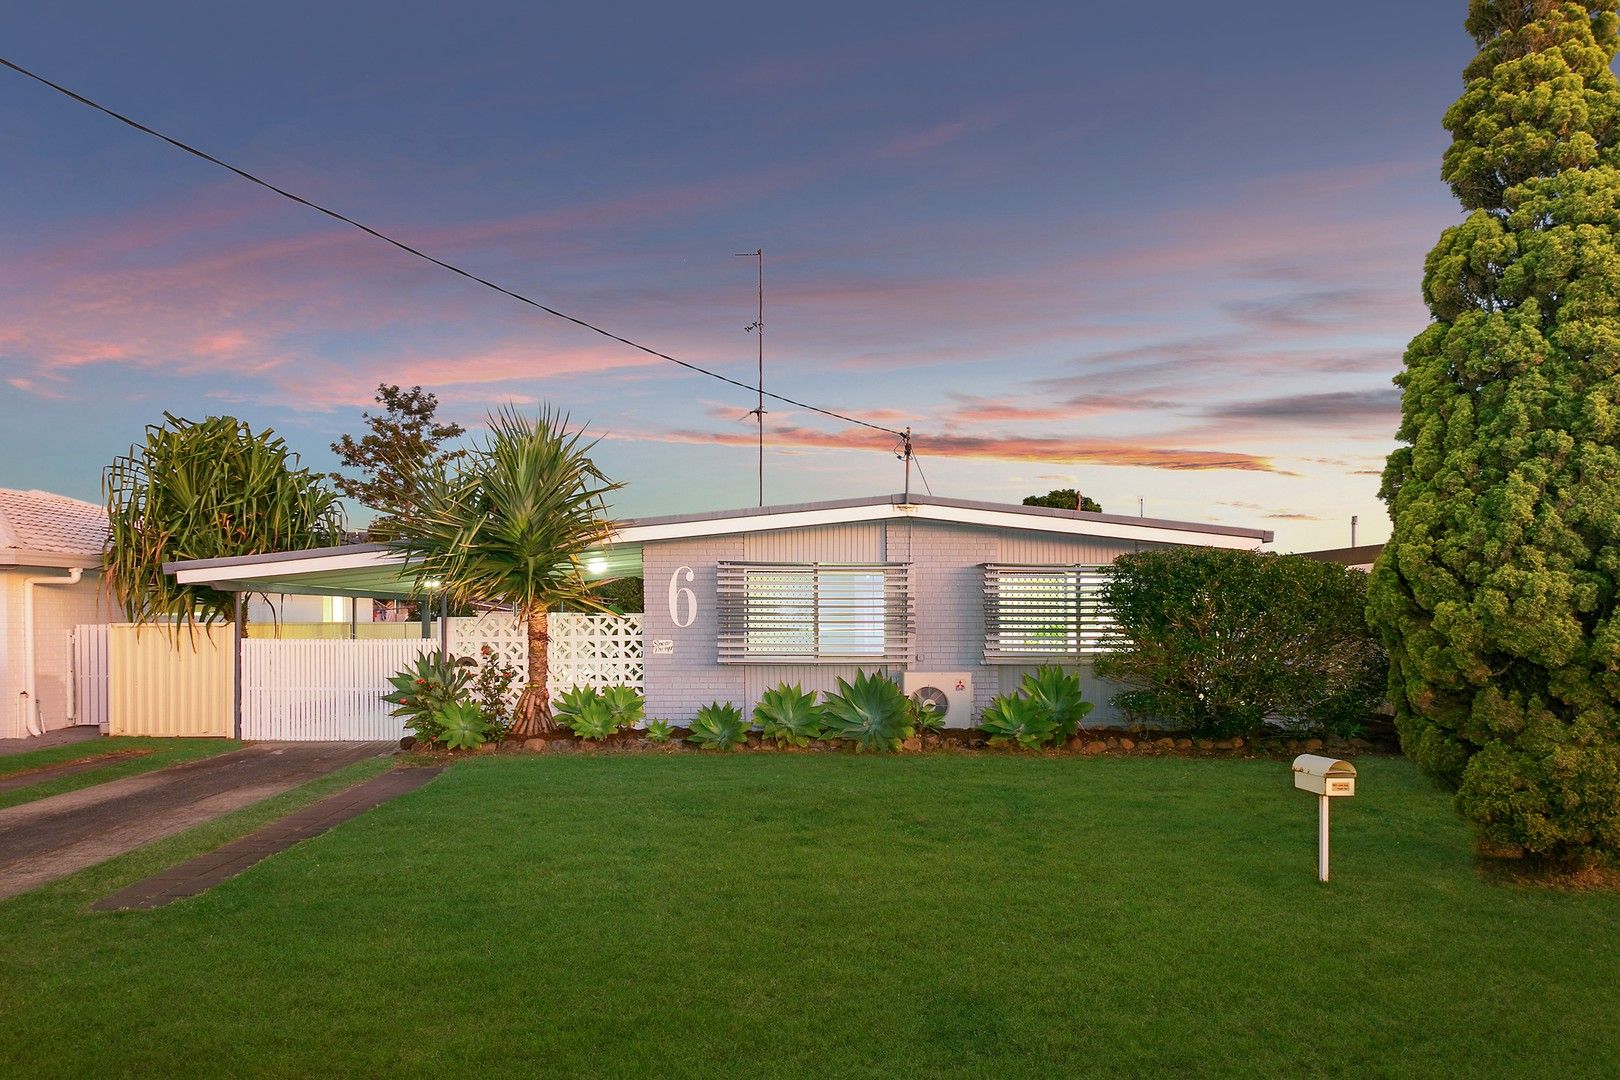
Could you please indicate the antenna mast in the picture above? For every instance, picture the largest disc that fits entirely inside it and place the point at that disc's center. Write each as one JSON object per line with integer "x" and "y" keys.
{"x": 758, "y": 330}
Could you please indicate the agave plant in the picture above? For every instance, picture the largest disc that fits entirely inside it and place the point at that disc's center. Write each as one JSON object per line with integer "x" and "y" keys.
{"x": 718, "y": 727}
{"x": 789, "y": 715}
{"x": 595, "y": 720}
{"x": 572, "y": 702}
{"x": 872, "y": 712}
{"x": 424, "y": 690}
{"x": 925, "y": 717}
{"x": 628, "y": 706}
{"x": 461, "y": 725}
{"x": 1058, "y": 692}
{"x": 659, "y": 730}
{"x": 1023, "y": 721}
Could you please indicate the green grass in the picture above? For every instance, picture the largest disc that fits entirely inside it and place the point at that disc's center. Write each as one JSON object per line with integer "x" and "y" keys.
{"x": 163, "y": 753}
{"x": 816, "y": 915}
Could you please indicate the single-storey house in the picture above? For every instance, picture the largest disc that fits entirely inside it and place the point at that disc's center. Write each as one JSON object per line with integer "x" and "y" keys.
{"x": 959, "y": 595}
{"x": 1360, "y": 557}
{"x": 50, "y": 582}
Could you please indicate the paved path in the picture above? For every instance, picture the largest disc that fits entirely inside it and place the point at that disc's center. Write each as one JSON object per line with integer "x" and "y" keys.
{"x": 81, "y": 733}
{"x": 48, "y": 839}
{"x": 202, "y": 873}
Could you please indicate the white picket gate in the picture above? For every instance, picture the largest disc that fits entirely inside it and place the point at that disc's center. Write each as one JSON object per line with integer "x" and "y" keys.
{"x": 322, "y": 690}
{"x": 90, "y": 666}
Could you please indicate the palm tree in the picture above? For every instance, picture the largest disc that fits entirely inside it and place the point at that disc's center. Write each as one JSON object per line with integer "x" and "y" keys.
{"x": 508, "y": 525}
{"x": 202, "y": 490}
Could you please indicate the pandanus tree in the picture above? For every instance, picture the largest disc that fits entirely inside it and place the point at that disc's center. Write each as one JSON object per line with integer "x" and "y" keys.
{"x": 509, "y": 524}
{"x": 205, "y": 490}
{"x": 1498, "y": 594}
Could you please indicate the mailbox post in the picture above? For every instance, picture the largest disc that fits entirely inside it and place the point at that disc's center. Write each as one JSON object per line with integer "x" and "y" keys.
{"x": 1330, "y": 779}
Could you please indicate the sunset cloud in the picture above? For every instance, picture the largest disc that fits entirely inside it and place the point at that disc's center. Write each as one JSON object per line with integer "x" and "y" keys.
{"x": 1050, "y": 450}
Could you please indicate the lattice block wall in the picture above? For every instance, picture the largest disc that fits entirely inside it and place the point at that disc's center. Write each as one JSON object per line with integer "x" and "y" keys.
{"x": 585, "y": 650}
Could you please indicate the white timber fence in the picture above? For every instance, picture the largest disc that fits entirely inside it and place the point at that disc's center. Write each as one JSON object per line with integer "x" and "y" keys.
{"x": 332, "y": 690}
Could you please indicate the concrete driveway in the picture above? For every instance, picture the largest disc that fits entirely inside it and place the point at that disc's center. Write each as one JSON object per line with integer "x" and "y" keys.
{"x": 51, "y": 838}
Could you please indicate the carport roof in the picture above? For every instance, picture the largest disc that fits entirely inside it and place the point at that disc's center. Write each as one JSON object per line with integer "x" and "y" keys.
{"x": 379, "y": 571}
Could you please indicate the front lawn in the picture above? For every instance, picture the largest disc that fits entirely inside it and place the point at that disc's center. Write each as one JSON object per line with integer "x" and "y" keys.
{"x": 832, "y": 914}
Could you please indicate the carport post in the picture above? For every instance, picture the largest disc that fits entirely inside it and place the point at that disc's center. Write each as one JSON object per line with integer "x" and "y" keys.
{"x": 237, "y": 628}
{"x": 444, "y": 626}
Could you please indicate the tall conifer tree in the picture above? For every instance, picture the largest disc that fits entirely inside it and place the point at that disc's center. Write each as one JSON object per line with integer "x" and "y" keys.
{"x": 1498, "y": 595}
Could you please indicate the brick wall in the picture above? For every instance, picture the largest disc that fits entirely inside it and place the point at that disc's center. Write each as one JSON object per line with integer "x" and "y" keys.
{"x": 947, "y": 594}
{"x": 678, "y": 683}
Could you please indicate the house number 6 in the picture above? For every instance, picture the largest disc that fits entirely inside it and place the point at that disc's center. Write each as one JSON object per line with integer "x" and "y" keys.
{"x": 676, "y": 592}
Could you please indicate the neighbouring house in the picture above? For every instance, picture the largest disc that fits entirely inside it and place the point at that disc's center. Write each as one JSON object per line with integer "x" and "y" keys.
{"x": 959, "y": 595}
{"x": 1361, "y": 557}
{"x": 50, "y": 582}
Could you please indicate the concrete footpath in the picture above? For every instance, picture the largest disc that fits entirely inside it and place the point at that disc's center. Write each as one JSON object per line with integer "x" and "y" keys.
{"x": 48, "y": 839}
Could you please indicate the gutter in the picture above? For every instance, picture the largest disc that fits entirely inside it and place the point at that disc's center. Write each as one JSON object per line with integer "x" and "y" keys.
{"x": 29, "y": 705}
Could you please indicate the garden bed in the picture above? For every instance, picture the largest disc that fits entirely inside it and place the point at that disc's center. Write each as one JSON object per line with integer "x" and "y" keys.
{"x": 1100, "y": 743}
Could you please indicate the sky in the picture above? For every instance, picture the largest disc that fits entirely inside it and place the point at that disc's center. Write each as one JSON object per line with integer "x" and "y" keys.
{"x": 1168, "y": 254}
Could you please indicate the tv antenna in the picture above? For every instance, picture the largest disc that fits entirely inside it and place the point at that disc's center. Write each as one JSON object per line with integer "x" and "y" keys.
{"x": 757, "y": 328}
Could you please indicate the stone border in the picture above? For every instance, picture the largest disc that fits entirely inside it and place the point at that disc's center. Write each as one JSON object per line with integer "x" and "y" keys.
{"x": 198, "y": 875}
{"x": 1111, "y": 742}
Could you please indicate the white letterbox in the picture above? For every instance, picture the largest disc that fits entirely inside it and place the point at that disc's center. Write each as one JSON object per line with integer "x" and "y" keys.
{"x": 1324, "y": 775}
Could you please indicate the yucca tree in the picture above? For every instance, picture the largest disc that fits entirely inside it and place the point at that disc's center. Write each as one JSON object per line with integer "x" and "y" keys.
{"x": 205, "y": 490}
{"x": 508, "y": 525}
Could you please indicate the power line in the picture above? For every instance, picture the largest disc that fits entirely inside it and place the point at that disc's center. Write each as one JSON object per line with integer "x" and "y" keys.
{"x": 922, "y": 475}
{"x": 401, "y": 245}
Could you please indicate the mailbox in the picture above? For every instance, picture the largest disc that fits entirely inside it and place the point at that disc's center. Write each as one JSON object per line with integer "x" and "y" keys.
{"x": 1324, "y": 775}
{"x": 1327, "y": 778}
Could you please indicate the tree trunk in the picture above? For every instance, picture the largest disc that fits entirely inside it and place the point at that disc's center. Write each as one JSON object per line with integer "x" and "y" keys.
{"x": 534, "y": 706}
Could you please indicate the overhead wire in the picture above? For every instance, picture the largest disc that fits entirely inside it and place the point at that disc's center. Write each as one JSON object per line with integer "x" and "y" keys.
{"x": 407, "y": 248}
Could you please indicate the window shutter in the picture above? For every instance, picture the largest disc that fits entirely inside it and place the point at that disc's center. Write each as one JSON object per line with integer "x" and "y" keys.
{"x": 1036, "y": 613}
{"x": 814, "y": 613}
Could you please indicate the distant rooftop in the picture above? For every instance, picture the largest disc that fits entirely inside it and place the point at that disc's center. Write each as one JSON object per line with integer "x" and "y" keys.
{"x": 41, "y": 523}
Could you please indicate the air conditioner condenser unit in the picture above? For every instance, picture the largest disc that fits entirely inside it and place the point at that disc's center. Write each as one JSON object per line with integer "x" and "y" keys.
{"x": 950, "y": 692}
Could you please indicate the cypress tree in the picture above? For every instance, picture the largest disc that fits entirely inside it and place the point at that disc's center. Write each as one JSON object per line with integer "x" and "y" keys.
{"x": 1498, "y": 595}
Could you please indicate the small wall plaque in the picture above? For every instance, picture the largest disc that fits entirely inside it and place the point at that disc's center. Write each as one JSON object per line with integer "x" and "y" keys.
{"x": 662, "y": 646}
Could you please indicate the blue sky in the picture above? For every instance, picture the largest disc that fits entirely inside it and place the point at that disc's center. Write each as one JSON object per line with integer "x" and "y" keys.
{"x": 1164, "y": 252}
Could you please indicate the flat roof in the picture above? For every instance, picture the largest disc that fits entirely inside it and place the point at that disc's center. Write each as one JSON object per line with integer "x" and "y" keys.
{"x": 1361, "y": 555}
{"x": 378, "y": 570}
{"x": 898, "y": 500}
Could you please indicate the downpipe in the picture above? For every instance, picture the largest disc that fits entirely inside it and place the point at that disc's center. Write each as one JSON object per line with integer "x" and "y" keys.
{"x": 30, "y": 695}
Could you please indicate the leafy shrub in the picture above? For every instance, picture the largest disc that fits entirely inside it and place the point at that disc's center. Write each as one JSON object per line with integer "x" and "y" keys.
{"x": 492, "y": 690}
{"x": 718, "y": 727}
{"x": 1018, "y": 719}
{"x": 659, "y": 730}
{"x": 423, "y": 690}
{"x": 789, "y": 715}
{"x": 1058, "y": 692}
{"x": 462, "y": 725}
{"x": 1218, "y": 642}
{"x": 872, "y": 712}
